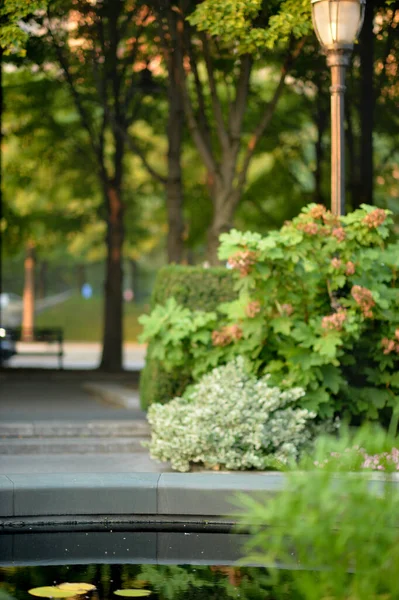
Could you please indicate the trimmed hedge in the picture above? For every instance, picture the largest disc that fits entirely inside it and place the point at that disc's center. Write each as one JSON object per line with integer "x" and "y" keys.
{"x": 197, "y": 289}
{"x": 194, "y": 287}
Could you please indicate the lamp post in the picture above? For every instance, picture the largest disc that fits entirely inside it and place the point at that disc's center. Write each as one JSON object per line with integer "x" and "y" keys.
{"x": 337, "y": 24}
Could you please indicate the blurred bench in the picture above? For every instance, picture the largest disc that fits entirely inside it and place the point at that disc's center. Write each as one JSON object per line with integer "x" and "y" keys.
{"x": 51, "y": 340}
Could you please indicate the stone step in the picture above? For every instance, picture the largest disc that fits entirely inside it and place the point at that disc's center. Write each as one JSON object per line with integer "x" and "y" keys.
{"x": 72, "y": 445}
{"x": 76, "y": 429}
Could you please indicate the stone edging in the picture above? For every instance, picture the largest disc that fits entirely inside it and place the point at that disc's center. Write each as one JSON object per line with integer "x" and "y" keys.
{"x": 120, "y": 494}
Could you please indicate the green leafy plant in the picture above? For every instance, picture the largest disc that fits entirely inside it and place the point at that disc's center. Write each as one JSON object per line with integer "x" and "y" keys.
{"x": 317, "y": 307}
{"x": 334, "y": 528}
{"x": 230, "y": 419}
{"x": 177, "y": 327}
{"x": 195, "y": 289}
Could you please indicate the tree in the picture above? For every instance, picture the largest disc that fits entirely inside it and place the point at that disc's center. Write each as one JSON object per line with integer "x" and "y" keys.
{"x": 215, "y": 90}
{"x": 97, "y": 46}
{"x": 12, "y": 40}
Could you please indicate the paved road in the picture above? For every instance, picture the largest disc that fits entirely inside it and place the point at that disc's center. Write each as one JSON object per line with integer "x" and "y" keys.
{"x": 77, "y": 356}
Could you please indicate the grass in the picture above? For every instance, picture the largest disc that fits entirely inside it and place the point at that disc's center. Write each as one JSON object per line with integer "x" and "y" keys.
{"x": 82, "y": 319}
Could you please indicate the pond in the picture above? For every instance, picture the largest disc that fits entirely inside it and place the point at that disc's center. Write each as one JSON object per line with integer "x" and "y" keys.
{"x": 109, "y": 565}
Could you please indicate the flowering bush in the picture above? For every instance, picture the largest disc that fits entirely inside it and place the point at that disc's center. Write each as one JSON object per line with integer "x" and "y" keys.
{"x": 318, "y": 307}
{"x": 230, "y": 419}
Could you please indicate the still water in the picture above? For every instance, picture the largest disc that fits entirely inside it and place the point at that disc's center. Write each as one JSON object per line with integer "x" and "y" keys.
{"x": 163, "y": 582}
{"x": 115, "y": 564}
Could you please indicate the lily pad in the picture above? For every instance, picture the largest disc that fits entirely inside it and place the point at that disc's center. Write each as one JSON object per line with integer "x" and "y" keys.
{"x": 51, "y": 592}
{"x": 130, "y": 593}
{"x": 77, "y": 588}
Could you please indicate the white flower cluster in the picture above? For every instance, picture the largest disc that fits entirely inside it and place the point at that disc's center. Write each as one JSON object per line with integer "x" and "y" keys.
{"x": 231, "y": 420}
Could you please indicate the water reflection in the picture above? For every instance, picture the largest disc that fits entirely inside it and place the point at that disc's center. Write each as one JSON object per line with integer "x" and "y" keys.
{"x": 165, "y": 582}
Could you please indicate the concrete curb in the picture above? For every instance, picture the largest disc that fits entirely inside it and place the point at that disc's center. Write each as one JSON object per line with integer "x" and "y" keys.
{"x": 128, "y": 495}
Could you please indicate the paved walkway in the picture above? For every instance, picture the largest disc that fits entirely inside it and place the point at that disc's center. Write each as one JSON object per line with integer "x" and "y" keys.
{"x": 50, "y": 424}
{"x": 78, "y": 355}
{"x": 56, "y": 396}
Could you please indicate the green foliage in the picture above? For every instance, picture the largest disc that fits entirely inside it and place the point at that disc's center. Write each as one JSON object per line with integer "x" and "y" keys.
{"x": 232, "y": 420}
{"x": 251, "y": 24}
{"x": 336, "y": 530}
{"x": 12, "y": 36}
{"x": 195, "y": 288}
{"x": 317, "y": 308}
{"x": 187, "y": 290}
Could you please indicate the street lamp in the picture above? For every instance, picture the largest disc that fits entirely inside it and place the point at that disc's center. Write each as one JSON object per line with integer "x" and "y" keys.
{"x": 337, "y": 24}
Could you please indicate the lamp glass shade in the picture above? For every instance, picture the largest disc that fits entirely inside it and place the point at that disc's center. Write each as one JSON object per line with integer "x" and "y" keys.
{"x": 337, "y": 22}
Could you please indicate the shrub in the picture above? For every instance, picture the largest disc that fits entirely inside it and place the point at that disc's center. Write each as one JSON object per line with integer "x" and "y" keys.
{"x": 230, "y": 419}
{"x": 194, "y": 288}
{"x": 318, "y": 307}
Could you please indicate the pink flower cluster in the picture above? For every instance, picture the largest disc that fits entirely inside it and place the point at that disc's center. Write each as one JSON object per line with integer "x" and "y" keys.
{"x": 391, "y": 345}
{"x": 310, "y": 228}
{"x": 336, "y": 263}
{"x": 373, "y": 461}
{"x": 318, "y": 211}
{"x": 364, "y": 298}
{"x": 243, "y": 261}
{"x": 252, "y": 309}
{"x": 226, "y": 335}
{"x": 287, "y": 309}
{"x": 339, "y": 233}
{"x": 376, "y": 462}
{"x": 334, "y": 321}
{"x": 375, "y": 218}
{"x": 350, "y": 267}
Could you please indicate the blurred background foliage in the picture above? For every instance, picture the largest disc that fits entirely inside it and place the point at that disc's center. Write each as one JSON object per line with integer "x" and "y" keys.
{"x": 55, "y": 61}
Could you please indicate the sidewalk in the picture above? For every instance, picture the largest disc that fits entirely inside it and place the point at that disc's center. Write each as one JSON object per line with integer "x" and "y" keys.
{"x": 78, "y": 355}
{"x": 51, "y": 423}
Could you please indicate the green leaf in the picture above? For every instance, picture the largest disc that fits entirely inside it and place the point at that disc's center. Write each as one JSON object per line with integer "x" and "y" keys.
{"x": 327, "y": 345}
{"x": 132, "y": 593}
{"x": 281, "y": 325}
{"x": 52, "y": 592}
{"x": 332, "y": 378}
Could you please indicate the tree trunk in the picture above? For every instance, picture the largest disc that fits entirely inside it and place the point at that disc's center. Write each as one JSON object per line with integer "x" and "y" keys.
{"x": 174, "y": 185}
{"x": 28, "y": 310}
{"x": 224, "y": 205}
{"x": 366, "y": 48}
{"x": 112, "y": 359}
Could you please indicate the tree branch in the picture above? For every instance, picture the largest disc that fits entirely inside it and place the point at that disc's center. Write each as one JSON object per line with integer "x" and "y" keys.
{"x": 240, "y": 102}
{"x": 135, "y": 148}
{"x": 203, "y": 123}
{"x": 75, "y": 94}
{"x": 268, "y": 114}
{"x": 216, "y": 105}
{"x": 199, "y": 137}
